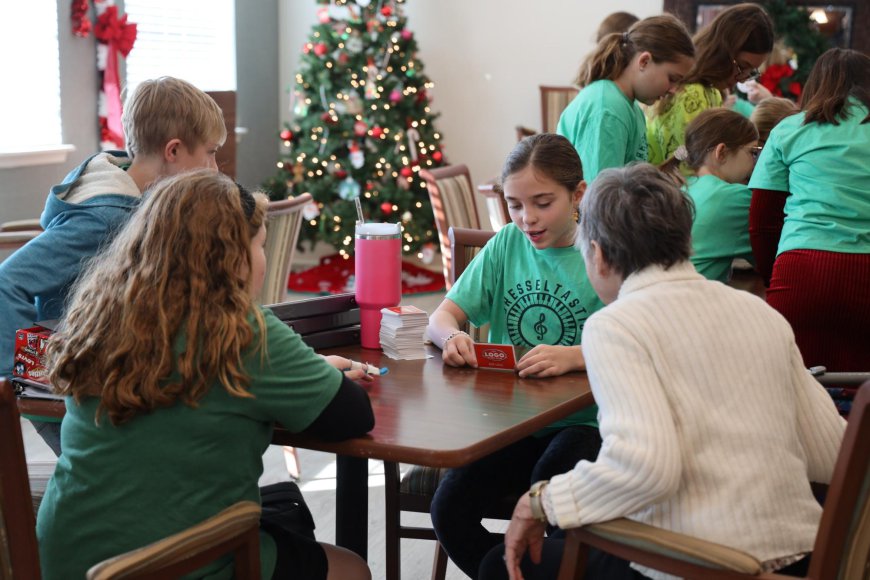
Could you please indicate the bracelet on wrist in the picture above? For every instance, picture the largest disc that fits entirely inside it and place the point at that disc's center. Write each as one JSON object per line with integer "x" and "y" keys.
{"x": 536, "y": 501}
{"x": 451, "y": 336}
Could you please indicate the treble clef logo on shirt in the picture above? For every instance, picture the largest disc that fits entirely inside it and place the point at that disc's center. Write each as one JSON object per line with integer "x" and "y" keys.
{"x": 540, "y": 329}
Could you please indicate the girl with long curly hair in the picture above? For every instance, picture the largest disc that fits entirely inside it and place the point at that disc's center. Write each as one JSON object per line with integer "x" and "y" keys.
{"x": 174, "y": 378}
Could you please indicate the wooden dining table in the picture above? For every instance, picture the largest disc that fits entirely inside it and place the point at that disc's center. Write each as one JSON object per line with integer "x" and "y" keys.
{"x": 431, "y": 414}
{"x": 426, "y": 413}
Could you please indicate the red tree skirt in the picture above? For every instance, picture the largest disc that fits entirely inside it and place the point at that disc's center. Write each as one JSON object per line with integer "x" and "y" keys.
{"x": 334, "y": 275}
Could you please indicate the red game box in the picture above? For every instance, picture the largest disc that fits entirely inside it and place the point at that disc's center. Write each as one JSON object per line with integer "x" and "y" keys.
{"x": 30, "y": 353}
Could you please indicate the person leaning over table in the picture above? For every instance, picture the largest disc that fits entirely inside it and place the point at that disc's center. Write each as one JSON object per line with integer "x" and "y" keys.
{"x": 529, "y": 284}
{"x": 809, "y": 219}
{"x": 712, "y": 426}
{"x": 727, "y": 51}
{"x": 174, "y": 378}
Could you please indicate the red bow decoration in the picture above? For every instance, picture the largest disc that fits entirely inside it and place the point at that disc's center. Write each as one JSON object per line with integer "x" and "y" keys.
{"x": 115, "y": 31}
{"x": 81, "y": 22}
{"x": 119, "y": 36}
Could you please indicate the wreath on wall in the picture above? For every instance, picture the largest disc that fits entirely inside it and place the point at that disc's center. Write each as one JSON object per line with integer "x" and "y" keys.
{"x": 114, "y": 35}
{"x": 800, "y": 44}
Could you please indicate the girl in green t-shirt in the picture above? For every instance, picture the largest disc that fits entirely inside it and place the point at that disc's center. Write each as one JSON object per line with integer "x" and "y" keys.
{"x": 174, "y": 378}
{"x": 727, "y": 51}
{"x": 604, "y": 122}
{"x": 529, "y": 283}
{"x": 720, "y": 152}
{"x": 810, "y": 215}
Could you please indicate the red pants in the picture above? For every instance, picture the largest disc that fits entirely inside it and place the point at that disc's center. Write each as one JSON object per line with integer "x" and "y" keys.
{"x": 825, "y": 296}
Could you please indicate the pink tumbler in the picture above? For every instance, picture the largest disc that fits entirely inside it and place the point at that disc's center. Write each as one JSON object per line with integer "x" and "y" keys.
{"x": 378, "y": 274}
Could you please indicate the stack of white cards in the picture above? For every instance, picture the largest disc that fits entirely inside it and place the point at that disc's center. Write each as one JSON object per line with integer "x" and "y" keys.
{"x": 402, "y": 329}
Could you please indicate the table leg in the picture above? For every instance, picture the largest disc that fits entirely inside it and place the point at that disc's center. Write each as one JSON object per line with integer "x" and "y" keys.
{"x": 352, "y": 505}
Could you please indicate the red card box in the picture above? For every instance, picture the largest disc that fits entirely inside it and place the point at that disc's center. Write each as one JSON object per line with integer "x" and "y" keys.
{"x": 29, "y": 362}
{"x": 495, "y": 356}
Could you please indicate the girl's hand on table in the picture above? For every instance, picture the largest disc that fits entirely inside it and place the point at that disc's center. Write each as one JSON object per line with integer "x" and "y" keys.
{"x": 356, "y": 371}
{"x": 546, "y": 360}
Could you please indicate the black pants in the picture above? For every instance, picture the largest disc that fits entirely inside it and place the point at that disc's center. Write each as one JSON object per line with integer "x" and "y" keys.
{"x": 467, "y": 494}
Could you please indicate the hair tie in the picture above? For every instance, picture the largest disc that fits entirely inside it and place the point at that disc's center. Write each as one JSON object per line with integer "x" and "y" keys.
{"x": 681, "y": 154}
{"x": 625, "y": 37}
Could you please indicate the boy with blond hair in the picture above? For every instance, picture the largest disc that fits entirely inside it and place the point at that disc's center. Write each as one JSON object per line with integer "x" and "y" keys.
{"x": 170, "y": 127}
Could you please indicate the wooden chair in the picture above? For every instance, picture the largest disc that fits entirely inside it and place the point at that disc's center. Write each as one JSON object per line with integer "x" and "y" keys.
{"x": 14, "y": 239}
{"x": 226, "y": 155}
{"x": 284, "y": 220}
{"x": 19, "y": 553}
{"x": 842, "y": 547}
{"x": 236, "y": 529}
{"x": 414, "y": 491}
{"x": 21, "y": 225}
{"x": 452, "y": 196}
{"x": 553, "y": 102}
{"x": 499, "y": 216}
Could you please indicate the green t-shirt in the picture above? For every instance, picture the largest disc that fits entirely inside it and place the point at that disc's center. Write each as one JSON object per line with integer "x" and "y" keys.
{"x": 528, "y": 297}
{"x": 667, "y": 131}
{"x": 605, "y": 126}
{"x": 720, "y": 231}
{"x": 743, "y": 107}
{"x": 119, "y": 488}
{"x": 826, "y": 170}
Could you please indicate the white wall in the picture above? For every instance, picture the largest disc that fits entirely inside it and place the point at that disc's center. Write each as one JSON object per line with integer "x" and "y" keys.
{"x": 487, "y": 59}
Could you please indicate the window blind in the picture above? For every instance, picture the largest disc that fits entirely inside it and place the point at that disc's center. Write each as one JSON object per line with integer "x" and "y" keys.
{"x": 30, "y": 69}
{"x": 194, "y": 40}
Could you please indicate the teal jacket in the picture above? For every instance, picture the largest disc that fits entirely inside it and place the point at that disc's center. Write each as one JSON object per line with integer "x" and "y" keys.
{"x": 35, "y": 280}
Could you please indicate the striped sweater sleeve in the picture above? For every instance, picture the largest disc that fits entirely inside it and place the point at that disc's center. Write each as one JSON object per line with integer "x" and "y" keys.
{"x": 639, "y": 462}
{"x": 820, "y": 426}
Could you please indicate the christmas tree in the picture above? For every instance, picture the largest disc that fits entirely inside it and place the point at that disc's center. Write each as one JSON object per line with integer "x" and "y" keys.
{"x": 362, "y": 128}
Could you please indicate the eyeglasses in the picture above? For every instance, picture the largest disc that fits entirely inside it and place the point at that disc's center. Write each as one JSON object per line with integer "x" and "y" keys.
{"x": 744, "y": 75}
{"x": 754, "y": 152}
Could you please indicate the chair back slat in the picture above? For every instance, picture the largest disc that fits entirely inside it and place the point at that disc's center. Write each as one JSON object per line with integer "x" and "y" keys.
{"x": 554, "y": 100}
{"x": 842, "y": 547}
{"x": 496, "y": 206}
{"x": 452, "y": 197}
{"x": 284, "y": 221}
{"x": 19, "y": 554}
{"x": 467, "y": 244}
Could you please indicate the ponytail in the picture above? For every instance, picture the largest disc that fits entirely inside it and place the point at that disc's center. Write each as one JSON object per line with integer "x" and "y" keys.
{"x": 664, "y": 37}
{"x": 671, "y": 167}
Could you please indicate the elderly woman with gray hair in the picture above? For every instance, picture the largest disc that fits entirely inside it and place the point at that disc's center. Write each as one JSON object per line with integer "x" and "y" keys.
{"x": 704, "y": 402}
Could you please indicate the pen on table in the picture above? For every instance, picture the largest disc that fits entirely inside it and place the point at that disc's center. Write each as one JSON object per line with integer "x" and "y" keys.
{"x": 368, "y": 368}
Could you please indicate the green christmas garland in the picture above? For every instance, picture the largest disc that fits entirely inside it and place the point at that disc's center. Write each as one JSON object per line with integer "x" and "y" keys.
{"x": 796, "y": 29}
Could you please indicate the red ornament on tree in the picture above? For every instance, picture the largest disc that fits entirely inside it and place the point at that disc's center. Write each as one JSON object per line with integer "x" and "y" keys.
{"x": 360, "y": 128}
{"x": 437, "y": 156}
{"x": 386, "y": 208}
{"x": 406, "y": 172}
{"x": 320, "y": 49}
{"x": 340, "y": 173}
{"x": 377, "y": 132}
{"x": 286, "y": 135}
{"x": 387, "y": 11}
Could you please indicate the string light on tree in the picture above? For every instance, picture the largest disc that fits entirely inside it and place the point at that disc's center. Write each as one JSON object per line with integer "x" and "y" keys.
{"x": 362, "y": 125}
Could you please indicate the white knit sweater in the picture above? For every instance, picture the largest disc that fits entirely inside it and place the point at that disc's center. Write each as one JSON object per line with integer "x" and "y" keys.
{"x": 711, "y": 425}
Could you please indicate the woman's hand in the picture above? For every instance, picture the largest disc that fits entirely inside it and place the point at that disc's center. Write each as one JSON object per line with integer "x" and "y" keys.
{"x": 459, "y": 351}
{"x": 523, "y": 533}
{"x": 546, "y": 360}
{"x": 353, "y": 370}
